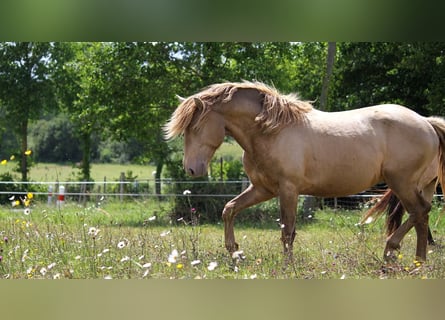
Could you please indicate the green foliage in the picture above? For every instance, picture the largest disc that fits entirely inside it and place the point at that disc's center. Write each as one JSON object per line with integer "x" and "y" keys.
{"x": 185, "y": 203}
{"x": 55, "y": 140}
{"x": 26, "y": 88}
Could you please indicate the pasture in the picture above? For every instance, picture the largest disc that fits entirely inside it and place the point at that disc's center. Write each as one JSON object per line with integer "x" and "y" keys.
{"x": 136, "y": 240}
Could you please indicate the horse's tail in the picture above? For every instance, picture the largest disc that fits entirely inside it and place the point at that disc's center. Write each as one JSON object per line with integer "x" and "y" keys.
{"x": 439, "y": 126}
{"x": 390, "y": 204}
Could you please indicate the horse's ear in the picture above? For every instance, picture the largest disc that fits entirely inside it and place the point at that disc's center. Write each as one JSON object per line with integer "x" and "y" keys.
{"x": 181, "y": 99}
{"x": 199, "y": 104}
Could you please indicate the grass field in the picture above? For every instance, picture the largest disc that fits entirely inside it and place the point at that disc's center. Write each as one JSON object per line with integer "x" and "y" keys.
{"x": 66, "y": 172}
{"x": 136, "y": 240}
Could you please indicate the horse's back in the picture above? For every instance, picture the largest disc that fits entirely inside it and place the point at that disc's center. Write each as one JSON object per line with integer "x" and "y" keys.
{"x": 346, "y": 152}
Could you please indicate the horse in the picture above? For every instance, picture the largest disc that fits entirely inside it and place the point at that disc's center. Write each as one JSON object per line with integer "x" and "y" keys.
{"x": 291, "y": 149}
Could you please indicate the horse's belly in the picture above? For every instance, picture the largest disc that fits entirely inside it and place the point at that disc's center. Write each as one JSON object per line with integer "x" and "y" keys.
{"x": 341, "y": 180}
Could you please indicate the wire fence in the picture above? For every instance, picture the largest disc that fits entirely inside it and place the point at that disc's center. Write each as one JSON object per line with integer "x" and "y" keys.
{"x": 83, "y": 191}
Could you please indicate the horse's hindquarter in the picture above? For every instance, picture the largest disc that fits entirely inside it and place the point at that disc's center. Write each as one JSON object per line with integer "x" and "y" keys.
{"x": 336, "y": 154}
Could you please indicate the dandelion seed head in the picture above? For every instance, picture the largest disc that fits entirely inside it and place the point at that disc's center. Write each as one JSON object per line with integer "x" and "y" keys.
{"x": 93, "y": 232}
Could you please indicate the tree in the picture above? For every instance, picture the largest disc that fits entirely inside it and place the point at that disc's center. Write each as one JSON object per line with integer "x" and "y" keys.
{"x": 330, "y": 57}
{"x": 411, "y": 74}
{"x": 26, "y": 88}
{"x": 82, "y": 91}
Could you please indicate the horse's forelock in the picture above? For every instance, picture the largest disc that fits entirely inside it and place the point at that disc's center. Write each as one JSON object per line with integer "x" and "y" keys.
{"x": 180, "y": 119}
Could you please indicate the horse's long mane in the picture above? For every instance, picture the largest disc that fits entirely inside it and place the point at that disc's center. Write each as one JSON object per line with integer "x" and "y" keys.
{"x": 278, "y": 109}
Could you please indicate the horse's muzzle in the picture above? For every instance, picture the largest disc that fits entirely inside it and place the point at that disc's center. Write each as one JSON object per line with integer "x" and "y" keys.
{"x": 196, "y": 171}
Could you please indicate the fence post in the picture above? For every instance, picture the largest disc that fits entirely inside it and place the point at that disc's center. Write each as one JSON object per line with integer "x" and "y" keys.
{"x": 61, "y": 196}
{"x": 121, "y": 186}
{"x": 50, "y": 194}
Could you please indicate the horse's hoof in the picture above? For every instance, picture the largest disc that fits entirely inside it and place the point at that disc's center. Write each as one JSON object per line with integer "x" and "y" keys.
{"x": 232, "y": 247}
{"x": 390, "y": 256}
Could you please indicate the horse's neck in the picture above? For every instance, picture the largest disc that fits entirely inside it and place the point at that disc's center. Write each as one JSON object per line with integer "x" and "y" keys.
{"x": 242, "y": 127}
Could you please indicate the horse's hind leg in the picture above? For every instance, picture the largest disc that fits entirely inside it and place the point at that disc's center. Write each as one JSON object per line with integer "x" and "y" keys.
{"x": 418, "y": 208}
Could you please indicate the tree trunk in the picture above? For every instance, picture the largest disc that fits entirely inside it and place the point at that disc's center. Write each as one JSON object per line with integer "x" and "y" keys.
{"x": 85, "y": 166}
{"x": 330, "y": 58}
{"x": 159, "y": 166}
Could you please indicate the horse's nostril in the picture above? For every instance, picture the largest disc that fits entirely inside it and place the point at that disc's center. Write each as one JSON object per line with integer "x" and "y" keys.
{"x": 191, "y": 172}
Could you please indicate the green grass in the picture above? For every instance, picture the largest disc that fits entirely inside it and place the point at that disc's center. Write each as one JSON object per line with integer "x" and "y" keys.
{"x": 130, "y": 243}
{"x": 99, "y": 171}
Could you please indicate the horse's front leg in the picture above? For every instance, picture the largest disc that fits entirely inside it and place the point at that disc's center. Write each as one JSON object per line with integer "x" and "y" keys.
{"x": 288, "y": 205}
{"x": 249, "y": 197}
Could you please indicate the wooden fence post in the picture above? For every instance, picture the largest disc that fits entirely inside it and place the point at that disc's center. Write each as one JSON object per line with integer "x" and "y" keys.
{"x": 121, "y": 186}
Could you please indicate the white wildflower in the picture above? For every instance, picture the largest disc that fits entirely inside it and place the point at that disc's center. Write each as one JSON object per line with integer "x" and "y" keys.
{"x": 212, "y": 265}
{"x": 51, "y": 265}
{"x": 173, "y": 256}
{"x": 126, "y": 258}
{"x": 164, "y": 233}
{"x": 121, "y": 245}
{"x": 195, "y": 262}
{"x": 186, "y": 192}
{"x": 146, "y": 265}
{"x": 152, "y": 218}
{"x": 43, "y": 271}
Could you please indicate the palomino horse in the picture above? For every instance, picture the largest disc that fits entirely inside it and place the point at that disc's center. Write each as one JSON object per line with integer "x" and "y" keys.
{"x": 290, "y": 148}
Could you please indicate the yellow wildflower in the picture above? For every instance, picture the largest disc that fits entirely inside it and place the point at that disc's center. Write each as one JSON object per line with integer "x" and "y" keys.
{"x": 29, "y": 195}
{"x": 12, "y": 158}
{"x": 4, "y": 162}
{"x": 28, "y": 152}
{"x": 179, "y": 266}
